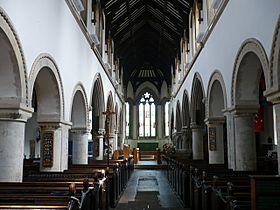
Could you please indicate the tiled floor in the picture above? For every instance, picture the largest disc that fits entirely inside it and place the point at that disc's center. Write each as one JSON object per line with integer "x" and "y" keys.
{"x": 148, "y": 189}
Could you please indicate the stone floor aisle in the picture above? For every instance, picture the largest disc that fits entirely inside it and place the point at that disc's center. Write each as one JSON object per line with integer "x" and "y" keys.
{"x": 148, "y": 189}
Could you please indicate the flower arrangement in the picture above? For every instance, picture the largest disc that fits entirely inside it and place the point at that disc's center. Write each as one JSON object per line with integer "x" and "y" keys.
{"x": 168, "y": 148}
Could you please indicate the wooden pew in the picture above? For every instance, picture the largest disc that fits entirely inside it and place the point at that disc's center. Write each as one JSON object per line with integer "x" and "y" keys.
{"x": 265, "y": 192}
{"x": 118, "y": 174}
{"x": 36, "y": 195}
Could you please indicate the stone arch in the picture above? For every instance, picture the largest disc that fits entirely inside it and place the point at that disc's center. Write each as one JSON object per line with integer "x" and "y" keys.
{"x": 244, "y": 89}
{"x": 78, "y": 137}
{"x": 13, "y": 84}
{"x": 45, "y": 79}
{"x": 147, "y": 86}
{"x": 120, "y": 126}
{"x": 109, "y": 122}
{"x": 147, "y": 89}
{"x": 185, "y": 110}
{"x": 97, "y": 104}
{"x": 197, "y": 101}
{"x": 274, "y": 74}
{"x": 199, "y": 142}
{"x": 171, "y": 123}
{"x": 79, "y": 111}
{"x": 215, "y": 106}
{"x": 116, "y": 117}
{"x": 216, "y": 96}
{"x": 13, "y": 102}
{"x": 249, "y": 80}
{"x": 178, "y": 123}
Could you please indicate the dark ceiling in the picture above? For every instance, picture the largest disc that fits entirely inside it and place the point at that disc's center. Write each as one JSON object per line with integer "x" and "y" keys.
{"x": 146, "y": 32}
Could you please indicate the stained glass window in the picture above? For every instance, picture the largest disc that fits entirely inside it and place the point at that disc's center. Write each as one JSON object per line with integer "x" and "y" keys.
{"x": 147, "y": 116}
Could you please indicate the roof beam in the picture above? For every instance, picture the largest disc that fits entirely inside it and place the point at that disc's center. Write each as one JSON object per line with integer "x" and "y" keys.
{"x": 131, "y": 26}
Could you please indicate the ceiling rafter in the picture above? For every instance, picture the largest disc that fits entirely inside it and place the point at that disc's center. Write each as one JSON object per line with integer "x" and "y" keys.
{"x": 146, "y": 31}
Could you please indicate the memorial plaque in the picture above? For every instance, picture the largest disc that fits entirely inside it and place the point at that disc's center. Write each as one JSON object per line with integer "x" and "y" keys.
{"x": 212, "y": 138}
{"x": 47, "y": 148}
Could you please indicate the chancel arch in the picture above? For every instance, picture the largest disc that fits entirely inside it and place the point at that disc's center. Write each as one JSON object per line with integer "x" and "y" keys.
{"x": 78, "y": 143}
{"x": 215, "y": 120}
{"x": 14, "y": 107}
{"x": 47, "y": 91}
{"x": 250, "y": 107}
{"x": 199, "y": 143}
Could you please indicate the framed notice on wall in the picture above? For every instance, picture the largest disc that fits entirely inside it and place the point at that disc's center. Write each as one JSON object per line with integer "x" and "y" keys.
{"x": 212, "y": 138}
{"x": 47, "y": 148}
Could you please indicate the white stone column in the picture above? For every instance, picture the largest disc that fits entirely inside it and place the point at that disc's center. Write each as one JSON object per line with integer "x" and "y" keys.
{"x": 245, "y": 141}
{"x": 230, "y": 140}
{"x": 80, "y": 146}
{"x": 276, "y": 122}
{"x": 159, "y": 122}
{"x": 12, "y": 132}
{"x": 187, "y": 140}
{"x": 134, "y": 122}
{"x": 98, "y": 146}
{"x": 215, "y": 140}
{"x": 197, "y": 142}
{"x": 54, "y": 146}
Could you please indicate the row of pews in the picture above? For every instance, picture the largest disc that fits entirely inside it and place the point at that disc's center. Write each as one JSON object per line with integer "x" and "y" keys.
{"x": 96, "y": 186}
{"x": 201, "y": 186}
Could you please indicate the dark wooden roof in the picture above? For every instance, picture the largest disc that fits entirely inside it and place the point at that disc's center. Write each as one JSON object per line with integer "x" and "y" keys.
{"x": 146, "y": 31}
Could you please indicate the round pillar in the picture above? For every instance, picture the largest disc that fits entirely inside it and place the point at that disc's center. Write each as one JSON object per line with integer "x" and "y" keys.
{"x": 134, "y": 121}
{"x": 80, "y": 146}
{"x": 98, "y": 145}
{"x": 12, "y": 134}
{"x": 276, "y": 122}
{"x": 160, "y": 122}
{"x": 197, "y": 142}
{"x": 245, "y": 142}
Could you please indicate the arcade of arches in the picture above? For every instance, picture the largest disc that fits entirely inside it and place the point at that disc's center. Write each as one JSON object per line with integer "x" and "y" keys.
{"x": 220, "y": 104}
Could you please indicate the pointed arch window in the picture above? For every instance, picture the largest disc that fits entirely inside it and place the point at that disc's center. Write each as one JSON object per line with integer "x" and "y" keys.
{"x": 147, "y": 116}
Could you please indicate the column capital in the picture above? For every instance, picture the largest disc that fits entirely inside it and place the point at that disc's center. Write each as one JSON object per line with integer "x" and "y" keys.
{"x": 53, "y": 125}
{"x": 79, "y": 130}
{"x": 101, "y": 131}
{"x": 18, "y": 113}
{"x": 243, "y": 109}
{"x": 193, "y": 125}
{"x": 273, "y": 95}
{"x": 214, "y": 120}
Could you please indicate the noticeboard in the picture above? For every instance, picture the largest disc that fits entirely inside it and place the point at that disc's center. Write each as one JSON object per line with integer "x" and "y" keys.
{"x": 47, "y": 148}
{"x": 212, "y": 139}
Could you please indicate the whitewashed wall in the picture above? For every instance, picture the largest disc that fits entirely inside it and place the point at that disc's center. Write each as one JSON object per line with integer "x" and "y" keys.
{"x": 239, "y": 21}
{"x": 49, "y": 27}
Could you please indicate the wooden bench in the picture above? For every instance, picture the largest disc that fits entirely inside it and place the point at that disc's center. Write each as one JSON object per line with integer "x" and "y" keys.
{"x": 265, "y": 192}
{"x": 29, "y": 195}
{"x": 118, "y": 173}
